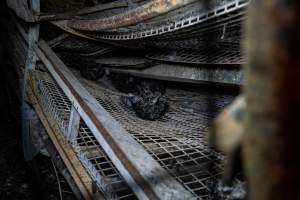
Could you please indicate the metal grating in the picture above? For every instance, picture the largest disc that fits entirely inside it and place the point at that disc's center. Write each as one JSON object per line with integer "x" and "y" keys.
{"x": 99, "y": 165}
{"x": 198, "y": 21}
{"x": 176, "y": 140}
{"x": 88, "y": 150}
{"x": 206, "y": 55}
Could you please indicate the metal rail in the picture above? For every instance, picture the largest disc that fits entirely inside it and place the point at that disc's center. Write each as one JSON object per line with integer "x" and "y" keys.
{"x": 142, "y": 173}
{"x": 147, "y": 11}
{"x": 189, "y": 74}
{"x": 196, "y": 19}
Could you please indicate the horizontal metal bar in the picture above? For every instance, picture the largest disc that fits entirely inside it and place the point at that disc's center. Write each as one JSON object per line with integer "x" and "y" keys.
{"x": 142, "y": 173}
{"x": 188, "y": 74}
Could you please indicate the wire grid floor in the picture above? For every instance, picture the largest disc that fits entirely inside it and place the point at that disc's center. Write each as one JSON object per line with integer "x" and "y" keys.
{"x": 176, "y": 140}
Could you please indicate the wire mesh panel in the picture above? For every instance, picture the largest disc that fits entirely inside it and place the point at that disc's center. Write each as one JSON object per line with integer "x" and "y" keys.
{"x": 88, "y": 150}
{"x": 101, "y": 166}
{"x": 176, "y": 140}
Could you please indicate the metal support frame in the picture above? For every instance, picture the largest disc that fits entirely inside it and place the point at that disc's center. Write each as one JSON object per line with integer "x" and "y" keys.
{"x": 73, "y": 125}
{"x": 73, "y": 165}
{"x": 144, "y": 12}
{"x": 221, "y": 11}
{"x": 188, "y": 74}
{"x": 31, "y": 39}
{"x": 142, "y": 173}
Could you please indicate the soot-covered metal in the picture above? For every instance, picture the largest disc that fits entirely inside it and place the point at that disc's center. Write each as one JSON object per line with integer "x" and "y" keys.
{"x": 127, "y": 90}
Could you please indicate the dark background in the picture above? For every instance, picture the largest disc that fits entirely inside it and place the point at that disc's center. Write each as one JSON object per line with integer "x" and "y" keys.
{"x": 15, "y": 175}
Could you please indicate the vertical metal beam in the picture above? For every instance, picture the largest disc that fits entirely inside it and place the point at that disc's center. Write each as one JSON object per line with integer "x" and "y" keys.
{"x": 272, "y": 128}
{"x": 32, "y": 38}
{"x": 73, "y": 125}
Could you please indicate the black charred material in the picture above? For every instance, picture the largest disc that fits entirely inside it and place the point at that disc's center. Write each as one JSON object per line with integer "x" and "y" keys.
{"x": 145, "y": 97}
{"x": 147, "y": 105}
{"x": 88, "y": 68}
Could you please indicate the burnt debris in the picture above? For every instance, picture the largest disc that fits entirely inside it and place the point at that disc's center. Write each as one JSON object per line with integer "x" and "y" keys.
{"x": 145, "y": 97}
{"x": 147, "y": 105}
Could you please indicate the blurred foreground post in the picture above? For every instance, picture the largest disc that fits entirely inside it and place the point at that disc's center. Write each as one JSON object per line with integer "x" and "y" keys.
{"x": 271, "y": 146}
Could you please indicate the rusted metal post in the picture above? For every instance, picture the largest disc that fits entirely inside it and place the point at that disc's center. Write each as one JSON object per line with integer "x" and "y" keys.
{"x": 271, "y": 145}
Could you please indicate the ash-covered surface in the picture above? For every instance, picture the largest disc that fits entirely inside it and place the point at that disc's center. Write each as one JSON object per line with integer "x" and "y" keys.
{"x": 219, "y": 191}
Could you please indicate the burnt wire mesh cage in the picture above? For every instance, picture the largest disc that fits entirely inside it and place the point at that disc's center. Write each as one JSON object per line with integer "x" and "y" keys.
{"x": 176, "y": 141}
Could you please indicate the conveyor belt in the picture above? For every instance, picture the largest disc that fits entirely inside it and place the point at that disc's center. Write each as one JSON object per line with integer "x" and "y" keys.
{"x": 176, "y": 141}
